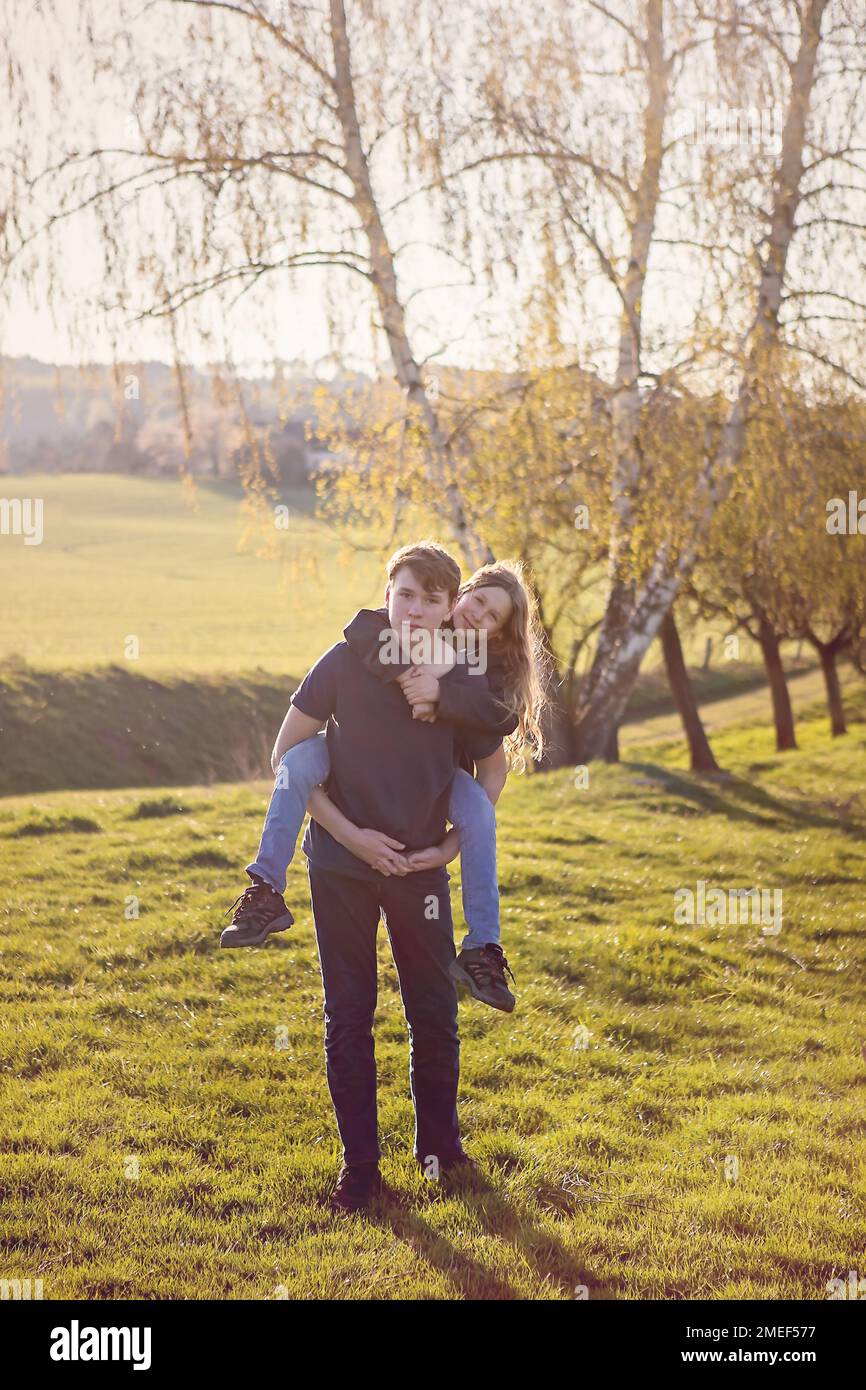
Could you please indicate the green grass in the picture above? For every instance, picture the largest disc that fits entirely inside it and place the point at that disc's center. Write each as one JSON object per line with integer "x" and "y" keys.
{"x": 156, "y": 1142}
{"x": 143, "y": 557}
{"x": 133, "y": 730}
{"x": 115, "y": 727}
{"x": 750, "y": 707}
{"x": 224, "y": 631}
{"x": 224, "y": 635}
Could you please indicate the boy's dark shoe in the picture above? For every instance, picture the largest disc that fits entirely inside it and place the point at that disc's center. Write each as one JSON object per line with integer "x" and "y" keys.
{"x": 456, "y": 1174}
{"x": 451, "y": 1167}
{"x": 258, "y": 911}
{"x": 356, "y": 1187}
{"x": 482, "y": 973}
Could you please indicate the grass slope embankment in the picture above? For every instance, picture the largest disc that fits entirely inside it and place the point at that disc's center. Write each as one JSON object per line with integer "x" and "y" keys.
{"x": 671, "y": 1112}
{"x": 123, "y": 633}
{"x": 743, "y": 701}
{"x": 115, "y": 728}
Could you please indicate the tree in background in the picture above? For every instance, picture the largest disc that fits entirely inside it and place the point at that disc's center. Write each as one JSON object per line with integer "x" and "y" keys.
{"x": 756, "y": 223}
{"x": 825, "y": 601}
{"x": 548, "y": 145}
{"x": 263, "y": 153}
{"x": 772, "y": 567}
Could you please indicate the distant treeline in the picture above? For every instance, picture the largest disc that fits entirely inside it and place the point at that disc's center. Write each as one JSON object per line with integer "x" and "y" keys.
{"x": 131, "y": 419}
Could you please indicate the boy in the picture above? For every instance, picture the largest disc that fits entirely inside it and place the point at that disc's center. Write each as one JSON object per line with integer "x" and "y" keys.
{"x": 391, "y": 777}
{"x": 474, "y": 707}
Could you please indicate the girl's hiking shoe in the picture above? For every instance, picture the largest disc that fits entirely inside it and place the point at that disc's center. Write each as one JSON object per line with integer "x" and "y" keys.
{"x": 258, "y": 911}
{"x": 482, "y": 973}
{"x": 356, "y": 1187}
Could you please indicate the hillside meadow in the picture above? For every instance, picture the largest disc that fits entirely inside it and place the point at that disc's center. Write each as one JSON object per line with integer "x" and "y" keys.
{"x": 178, "y": 568}
{"x": 671, "y": 1112}
{"x": 185, "y": 571}
{"x": 151, "y": 639}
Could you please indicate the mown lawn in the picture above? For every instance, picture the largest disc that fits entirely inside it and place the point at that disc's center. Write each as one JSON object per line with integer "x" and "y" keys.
{"x": 671, "y": 1112}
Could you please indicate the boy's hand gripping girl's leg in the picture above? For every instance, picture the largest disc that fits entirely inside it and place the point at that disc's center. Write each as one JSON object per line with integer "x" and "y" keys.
{"x": 260, "y": 909}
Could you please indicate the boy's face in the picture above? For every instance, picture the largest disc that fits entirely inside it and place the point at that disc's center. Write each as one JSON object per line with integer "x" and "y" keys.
{"x": 408, "y": 602}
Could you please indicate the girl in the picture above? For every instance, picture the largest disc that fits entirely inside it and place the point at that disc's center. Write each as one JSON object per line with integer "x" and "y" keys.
{"x": 495, "y": 602}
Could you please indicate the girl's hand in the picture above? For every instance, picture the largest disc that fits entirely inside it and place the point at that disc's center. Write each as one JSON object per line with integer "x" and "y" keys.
{"x": 419, "y": 686}
{"x": 426, "y": 713}
{"x": 431, "y": 858}
{"x": 380, "y": 852}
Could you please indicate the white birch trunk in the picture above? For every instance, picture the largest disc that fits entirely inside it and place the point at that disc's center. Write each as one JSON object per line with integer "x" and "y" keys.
{"x": 440, "y": 463}
{"x": 617, "y": 635}
{"x": 618, "y": 661}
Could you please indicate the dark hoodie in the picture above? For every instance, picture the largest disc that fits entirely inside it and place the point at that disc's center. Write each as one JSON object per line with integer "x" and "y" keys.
{"x": 472, "y": 706}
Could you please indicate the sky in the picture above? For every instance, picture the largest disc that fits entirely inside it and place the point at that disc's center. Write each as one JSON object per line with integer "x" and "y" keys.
{"x": 289, "y": 320}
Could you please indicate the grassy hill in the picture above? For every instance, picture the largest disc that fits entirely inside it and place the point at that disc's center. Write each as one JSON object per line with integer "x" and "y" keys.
{"x": 145, "y": 557}
{"x": 224, "y": 633}
{"x": 114, "y": 728}
{"x": 744, "y": 700}
{"x": 671, "y": 1112}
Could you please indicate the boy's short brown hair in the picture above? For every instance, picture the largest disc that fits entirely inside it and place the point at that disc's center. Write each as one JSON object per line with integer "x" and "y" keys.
{"x": 431, "y": 564}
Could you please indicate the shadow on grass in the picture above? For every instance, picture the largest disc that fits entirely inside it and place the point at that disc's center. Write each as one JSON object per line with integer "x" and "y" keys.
{"x": 493, "y": 1215}
{"x": 725, "y": 794}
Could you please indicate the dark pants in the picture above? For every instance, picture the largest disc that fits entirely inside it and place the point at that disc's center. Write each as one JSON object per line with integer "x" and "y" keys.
{"x": 346, "y": 916}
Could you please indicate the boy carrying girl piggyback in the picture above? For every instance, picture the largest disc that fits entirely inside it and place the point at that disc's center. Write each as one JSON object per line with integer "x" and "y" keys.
{"x": 484, "y": 685}
{"x": 404, "y": 736}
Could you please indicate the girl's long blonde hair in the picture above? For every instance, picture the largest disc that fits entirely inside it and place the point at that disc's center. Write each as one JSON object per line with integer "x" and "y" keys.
{"x": 523, "y": 650}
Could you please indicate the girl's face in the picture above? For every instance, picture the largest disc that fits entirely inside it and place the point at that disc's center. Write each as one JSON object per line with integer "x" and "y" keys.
{"x": 485, "y": 609}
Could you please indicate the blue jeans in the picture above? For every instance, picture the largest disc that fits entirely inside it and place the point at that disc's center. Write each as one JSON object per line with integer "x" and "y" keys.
{"x": 470, "y": 811}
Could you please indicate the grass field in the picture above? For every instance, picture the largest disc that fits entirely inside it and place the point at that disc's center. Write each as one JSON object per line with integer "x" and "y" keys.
{"x": 671, "y": 1112}
{"x": 137, "y": 556}
{"x": 224, "y": 633}
{"x": 114, "y": 727}
{"x": 753, "y": 707}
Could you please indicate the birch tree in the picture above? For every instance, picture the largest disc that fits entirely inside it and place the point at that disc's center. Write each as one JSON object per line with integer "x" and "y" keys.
{"x": 257, "y": 140}
{"x": 762, "y": 225}
{"x": 635, "y": 612}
